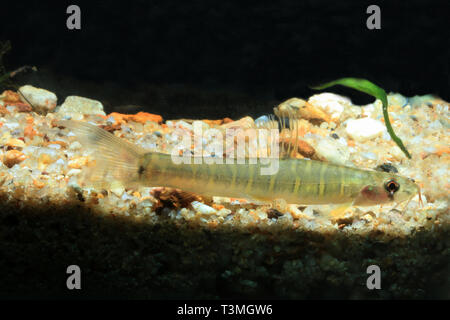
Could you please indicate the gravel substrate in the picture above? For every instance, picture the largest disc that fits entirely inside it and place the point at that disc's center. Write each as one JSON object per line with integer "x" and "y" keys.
{"x": 143, "y": 243}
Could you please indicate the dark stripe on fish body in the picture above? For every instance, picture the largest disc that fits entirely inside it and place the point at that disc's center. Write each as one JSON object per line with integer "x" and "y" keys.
{"x": 341, "y": 181}
{"x": 322, "y": 179}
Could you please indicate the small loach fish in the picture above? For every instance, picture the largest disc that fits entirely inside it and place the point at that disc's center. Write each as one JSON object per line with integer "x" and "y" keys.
{"x": 298, "y": 181}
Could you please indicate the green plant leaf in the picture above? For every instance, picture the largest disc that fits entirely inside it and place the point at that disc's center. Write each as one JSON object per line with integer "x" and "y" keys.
{"x": 373, "y": 90}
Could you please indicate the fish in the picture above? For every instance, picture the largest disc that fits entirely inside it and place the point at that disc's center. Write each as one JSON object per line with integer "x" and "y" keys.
{"x": 298, "y": 181}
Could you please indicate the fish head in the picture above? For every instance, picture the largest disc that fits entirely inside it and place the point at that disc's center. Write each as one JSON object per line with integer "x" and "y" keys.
{"x": 388, "y": 188}
{"x": 399, "y": 189}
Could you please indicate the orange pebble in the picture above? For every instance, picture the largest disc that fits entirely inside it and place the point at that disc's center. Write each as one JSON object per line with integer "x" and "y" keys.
{"x": 13, "y": 157}
{"x": 29, "y": 131}
{"x": 442, "y": 150}
{"x": 218, "y": 206}
{"x": 136, "y": 194}
{"x": 78, "y": 163}
{"x": 45, "y": 159}
{"x": 11, "y": 96}
{"x": 3, "y": 111}
{"x": 143, "y": 117}
{"x": 38, "y": 184}
{"x": 213, "y": 122}
{"x": 61, "y": 143}
{"x": 213, "y": 224}
{"x": 118, "y": 117}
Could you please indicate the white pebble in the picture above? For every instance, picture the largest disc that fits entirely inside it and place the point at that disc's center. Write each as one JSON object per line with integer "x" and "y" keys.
{"x": 73, "y": 172}
{"x": 75, "y": 107}
{"x": 117, "y": 188}
{"x": 73, "y": 183}
{"x": 397, "y": 99}
{"x": 332, "y": 151}
{"x": 369, "y": 155}
{"x": 42, "y": 100}
{"x": 203, "y": 208}
{"x": 224, "y": 212}
{"x": 364, "y": 129}
{"x": 331, "y": 103}
{"x": 54, "y": 146}
{"x": 200, "y": 125}
{"x": 308, "y": 211}
{"x": 110, "y": 120}
{"x": 75, "y": 145}
{"x": 126, "y": 197}
{"x": 184, "y": 124}
{"x": 50, "y": 152}
{"x": 11, "y": 125}
{"x": 435, "y": 125}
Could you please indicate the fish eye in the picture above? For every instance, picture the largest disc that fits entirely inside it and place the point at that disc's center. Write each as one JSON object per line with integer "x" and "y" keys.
{"x": 392, "y": 186}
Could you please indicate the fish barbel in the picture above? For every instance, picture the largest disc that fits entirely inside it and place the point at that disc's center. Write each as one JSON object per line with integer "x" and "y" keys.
{"x": 297, "y": 181}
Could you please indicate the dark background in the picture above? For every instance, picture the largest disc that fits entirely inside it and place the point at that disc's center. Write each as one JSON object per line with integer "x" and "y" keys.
{"x": 211, "y": 59}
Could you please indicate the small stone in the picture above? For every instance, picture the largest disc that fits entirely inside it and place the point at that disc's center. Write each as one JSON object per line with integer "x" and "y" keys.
{"x": 223, "y": 212}
{"x": 13, "y": 157}
{"x": 38, "y": 184}
{"x": 3, "y": 111}
{"x": 73, "y": 172}
{"x": 200, "y": 125}
{"x": 16, "y": 143}
{"x": 274, "y": 214}
{"x": 396, "y": 99}
{"x": 44, "y": 160}
{"x": 42, "y": 100}
{"x": 334, "y": 136}
{"x": 9, "y": 96}
{"x": 367, "y": 217}
{"x": 369, "y": 155}
{"x": 302, "y": 108}
{"x": 75, "y": 145}
{"x": 29, "y": 131}
{"x": 74, "y": 105}
{"x": 77, "y": 163}
{"x": 331, "y": 103}
{"x": 305, "y": 149}
{"x": 332, "y": 151}
{"x": 203, "y": 208}
{"x": 418, "y": 101}
{"x": 244, "y": 123}
{"x": 143, "y": 117}
{"x": 184, "y": 125}
{"x": 117, "y": 188}
{"x": 297, "y": 213}
{"x": 364, "y": 129}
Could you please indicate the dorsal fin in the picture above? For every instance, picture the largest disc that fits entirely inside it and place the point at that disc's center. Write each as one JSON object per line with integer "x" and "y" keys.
{"x": 286, "y": 123}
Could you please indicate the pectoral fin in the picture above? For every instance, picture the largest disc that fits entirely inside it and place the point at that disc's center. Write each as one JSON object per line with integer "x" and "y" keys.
{"x": 370, "y": 196}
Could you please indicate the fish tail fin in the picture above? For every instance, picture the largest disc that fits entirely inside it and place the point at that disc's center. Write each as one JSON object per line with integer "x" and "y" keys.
{"x": 116, "y": 160}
